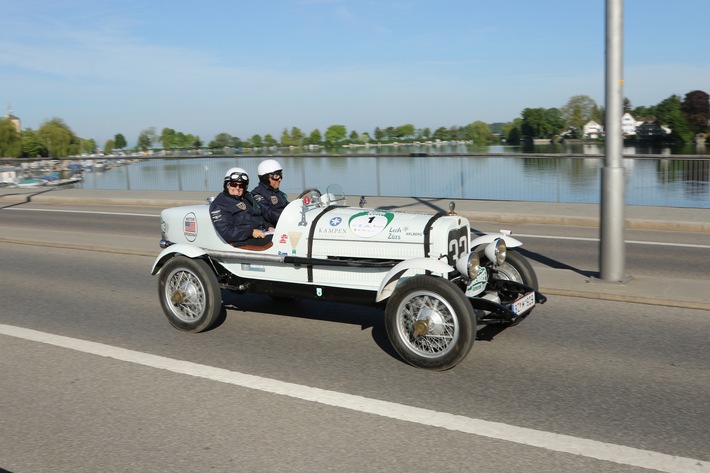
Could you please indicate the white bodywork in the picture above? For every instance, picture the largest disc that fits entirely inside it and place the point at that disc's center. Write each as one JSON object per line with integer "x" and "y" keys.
{"x": 326, "y": 229}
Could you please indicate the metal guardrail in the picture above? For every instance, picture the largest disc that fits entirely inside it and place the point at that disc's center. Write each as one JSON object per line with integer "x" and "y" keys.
{"x": 653, "y": 180}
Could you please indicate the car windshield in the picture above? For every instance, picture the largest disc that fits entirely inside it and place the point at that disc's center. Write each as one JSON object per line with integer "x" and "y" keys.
{"x": 334, "y": 195}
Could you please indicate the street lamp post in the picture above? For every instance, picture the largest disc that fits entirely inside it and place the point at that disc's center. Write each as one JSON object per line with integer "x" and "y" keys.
{"x": 612, "y": 252}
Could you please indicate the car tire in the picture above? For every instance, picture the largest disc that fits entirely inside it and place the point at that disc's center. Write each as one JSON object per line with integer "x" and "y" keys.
{"x": 517, "y": 268}
{"x": 430, "y": 323}
{"x": 190, "y": 294}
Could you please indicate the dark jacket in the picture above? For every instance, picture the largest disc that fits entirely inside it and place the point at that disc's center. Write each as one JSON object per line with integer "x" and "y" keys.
{"x": 272, "y": 201}
{"x": 236, "y": 218}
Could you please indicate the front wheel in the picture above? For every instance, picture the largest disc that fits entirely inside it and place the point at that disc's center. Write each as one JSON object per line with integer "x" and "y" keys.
{"x": 430, "y": 323}
{"x": 190, "y": 294}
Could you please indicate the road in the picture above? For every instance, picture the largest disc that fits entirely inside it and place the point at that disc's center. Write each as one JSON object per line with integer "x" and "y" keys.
{"x": 651, "y": 253}
{"x": 627, "y": 382}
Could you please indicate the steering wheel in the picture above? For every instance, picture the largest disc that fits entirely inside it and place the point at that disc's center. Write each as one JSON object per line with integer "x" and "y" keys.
{"x": 308, "y": 191}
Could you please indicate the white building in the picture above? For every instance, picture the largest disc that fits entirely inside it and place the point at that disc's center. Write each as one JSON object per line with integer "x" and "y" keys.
{"x": 628, "y": 124}
{"x": 593, "y": 130}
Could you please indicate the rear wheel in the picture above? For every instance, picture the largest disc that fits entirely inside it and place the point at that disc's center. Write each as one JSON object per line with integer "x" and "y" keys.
{"x": 430, "y": 323}
{"x": 190, "y": 294}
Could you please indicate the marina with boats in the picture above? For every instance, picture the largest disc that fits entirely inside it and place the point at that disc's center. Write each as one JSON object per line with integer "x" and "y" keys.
{"x": 54, "y": 172}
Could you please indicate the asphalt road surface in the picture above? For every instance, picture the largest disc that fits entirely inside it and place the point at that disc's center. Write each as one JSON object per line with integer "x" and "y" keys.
{"x": 95, "y": 379}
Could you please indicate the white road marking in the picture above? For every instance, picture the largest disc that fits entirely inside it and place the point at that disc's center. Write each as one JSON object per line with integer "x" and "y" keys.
{"x": 536, "y": 438}
{"x": 547, "y": 237}
{"x": 81, "y": 212}
{"x": 634, "y": 242}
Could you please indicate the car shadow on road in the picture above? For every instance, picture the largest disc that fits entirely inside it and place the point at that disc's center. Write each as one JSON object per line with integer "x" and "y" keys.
{"x": 365, "y": 317}
{"x": 546, "y": 260}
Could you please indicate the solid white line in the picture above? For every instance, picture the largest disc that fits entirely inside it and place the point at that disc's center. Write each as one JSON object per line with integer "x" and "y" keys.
{"x": 547, "y": 237}
{"x": 634, "y": 242}
{"x": 537, "y": 438}
{"x": 81, "y": 212}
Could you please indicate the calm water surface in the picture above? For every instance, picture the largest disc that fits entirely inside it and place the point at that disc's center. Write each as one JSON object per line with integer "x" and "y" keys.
{"x": 658, "y": 182}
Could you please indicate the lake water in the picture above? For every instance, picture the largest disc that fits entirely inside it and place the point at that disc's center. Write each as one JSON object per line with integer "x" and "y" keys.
{"x": 659, "y": 181}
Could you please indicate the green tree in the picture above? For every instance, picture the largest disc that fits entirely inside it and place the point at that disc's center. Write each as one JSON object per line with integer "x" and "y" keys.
{"x": 168, "y": 138}
{"x": 480, "y": 133}
{"x": 119, "y": 141}
{"x": 109, "y": 146}
{"x": 293, "y": 138}
{"x": 10, "y": 140}
{"x": 335, "y": 134}
{"x": 315, "y": 138}
{"x": 221, "y": 141}
{"x": 627, "y": 106}
{"x": 270, "y": 141}
{"x": 146, "y": 138}
{"x": 88, "y": 146}
{"x": 379, "y": 134}
{"x": 669, "y": 113}
{"x": 297, "y": 136}
{"x": 541, "y": 122}
{"x": 696, "y": 109}
{"x": 441, "y": 134}
{"x": 256, "y": 141}
{"x": 32, "y": 145}
{"x": 578, "y": 111}
{"x": 642, "y": 112}
{"x": 598, "y": 115}
{"x": 404, "y": 131}
{"x": 513, "y": 131}
{"x": 285, "y": 138}
{"x": 59, "y": 139}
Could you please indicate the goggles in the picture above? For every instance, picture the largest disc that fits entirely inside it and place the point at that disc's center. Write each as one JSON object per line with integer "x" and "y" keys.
{"x": 276, "y": 176}
{"x": 238, "y": 177}
{"x": 237, "y": 184}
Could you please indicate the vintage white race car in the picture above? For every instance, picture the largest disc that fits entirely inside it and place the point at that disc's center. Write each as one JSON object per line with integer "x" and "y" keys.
{"x": 435, "y": 284}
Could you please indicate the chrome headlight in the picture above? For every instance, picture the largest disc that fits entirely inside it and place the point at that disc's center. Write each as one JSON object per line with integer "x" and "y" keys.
{"x": 496, "y": 251}
{"x": 469, "y": 266}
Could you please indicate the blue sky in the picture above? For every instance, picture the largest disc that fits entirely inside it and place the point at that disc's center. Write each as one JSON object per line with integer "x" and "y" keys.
{"x": 246, "y": 67}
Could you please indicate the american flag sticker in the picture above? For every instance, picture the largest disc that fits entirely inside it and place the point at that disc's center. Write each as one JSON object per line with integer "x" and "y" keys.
{"x": 190, "y": 227}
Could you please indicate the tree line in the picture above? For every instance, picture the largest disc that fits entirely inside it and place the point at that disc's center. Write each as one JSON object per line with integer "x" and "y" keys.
{"x": 685, "y": 117}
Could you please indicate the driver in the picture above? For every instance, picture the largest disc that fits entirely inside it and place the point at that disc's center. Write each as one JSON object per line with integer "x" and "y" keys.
{"x": 236, "y": 216}
{"x": 267, "y": 193}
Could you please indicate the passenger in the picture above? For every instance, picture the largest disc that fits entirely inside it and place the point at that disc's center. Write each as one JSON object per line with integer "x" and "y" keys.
{"x": 267, "y": 192}
{"x": 235, "y": 215}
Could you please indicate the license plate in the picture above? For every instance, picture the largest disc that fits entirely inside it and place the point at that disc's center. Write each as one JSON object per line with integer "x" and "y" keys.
{"x": 524, "y": 304}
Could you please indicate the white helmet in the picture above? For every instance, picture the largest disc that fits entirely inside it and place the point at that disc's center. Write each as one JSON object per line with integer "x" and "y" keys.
{"x": 236, "y": 175}
{"x": 266, "y": 167}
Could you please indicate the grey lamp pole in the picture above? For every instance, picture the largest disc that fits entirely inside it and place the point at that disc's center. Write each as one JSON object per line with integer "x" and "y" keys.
{"x": 612, "y": 253}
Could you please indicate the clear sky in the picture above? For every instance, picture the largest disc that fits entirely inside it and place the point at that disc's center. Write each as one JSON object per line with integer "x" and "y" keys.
{"x": 249, "y": 67}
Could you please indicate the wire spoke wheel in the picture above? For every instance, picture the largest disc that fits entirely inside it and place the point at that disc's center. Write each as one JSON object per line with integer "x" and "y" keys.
{"x": 187, "y": 295}
{"x": 430, "y": 323}
{"x": 427, "y": 324}
{"x": 190, "y": 294}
